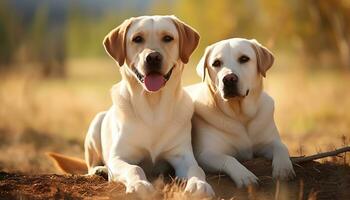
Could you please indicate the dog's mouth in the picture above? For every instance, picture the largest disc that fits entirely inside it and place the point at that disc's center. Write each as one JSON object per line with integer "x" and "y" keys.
{"x": 230, "y": 94}
{"x": 153, "y": 81}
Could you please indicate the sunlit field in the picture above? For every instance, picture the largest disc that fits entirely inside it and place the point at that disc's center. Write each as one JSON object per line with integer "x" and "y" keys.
{"x": 39, "y": 115}
{"x": 55, "y": 76}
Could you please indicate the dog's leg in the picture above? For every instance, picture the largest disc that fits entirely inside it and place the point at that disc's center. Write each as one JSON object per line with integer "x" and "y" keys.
{"x": 132, "y": 176}
{"x": 276, "y": 151}
{"x": 187, "y": 167}
{"x": 92, "y": 146}
{"x": 231, "y": 166}
{"x": 263, "y": 129}
{"x": 281, "y": 163}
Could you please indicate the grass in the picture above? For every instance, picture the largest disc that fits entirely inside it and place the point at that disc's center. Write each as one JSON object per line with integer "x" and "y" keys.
{"x": 39, "y": 115}
{"x": 311, "y": 108}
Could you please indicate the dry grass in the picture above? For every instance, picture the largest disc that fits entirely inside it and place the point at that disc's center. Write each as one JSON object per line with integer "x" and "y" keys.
{"x": 314, "y": 181}
{"x": 311, "y": 109}
{"x": 39, "y": 115}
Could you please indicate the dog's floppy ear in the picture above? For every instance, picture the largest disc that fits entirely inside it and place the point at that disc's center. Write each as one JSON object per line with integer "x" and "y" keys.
{"x": 203, "y": 62}
{"x": 114, "y": 42}
{"x": 188, "y": 39}
{"x": 264, "y": 57}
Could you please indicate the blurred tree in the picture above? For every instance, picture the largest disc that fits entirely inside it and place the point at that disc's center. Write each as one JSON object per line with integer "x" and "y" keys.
{"x": 33, "y": 31}
{"x": 316, "y": 30}
{"x": 214, "y": 21}
{"x": 8, "y": 30}
{"x": 77, "y": 32}
{"x": 47, "y": 41}
{"x": 85, "y": 31}
{"x": 323, "y": 26}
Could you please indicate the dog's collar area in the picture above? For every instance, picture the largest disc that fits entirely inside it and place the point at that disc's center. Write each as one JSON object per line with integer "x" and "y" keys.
{"x": 142, "y": 77}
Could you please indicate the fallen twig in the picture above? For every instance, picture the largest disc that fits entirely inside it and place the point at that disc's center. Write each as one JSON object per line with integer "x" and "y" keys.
{"x": 302, "y": 159}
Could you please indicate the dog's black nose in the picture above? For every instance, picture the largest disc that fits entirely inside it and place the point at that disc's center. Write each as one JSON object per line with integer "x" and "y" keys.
{"x": 154, "y": 59}
{"x": 230, "y": 80}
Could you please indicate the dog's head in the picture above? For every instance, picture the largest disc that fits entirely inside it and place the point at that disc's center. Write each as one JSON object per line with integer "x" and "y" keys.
{"x": 151, "y": 46}
{"x": 235, "y": 66}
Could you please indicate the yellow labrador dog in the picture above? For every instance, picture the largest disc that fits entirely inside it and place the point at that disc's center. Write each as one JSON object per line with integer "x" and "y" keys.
{"x": 233, "y": 116}
{"x": 151, "y": 114}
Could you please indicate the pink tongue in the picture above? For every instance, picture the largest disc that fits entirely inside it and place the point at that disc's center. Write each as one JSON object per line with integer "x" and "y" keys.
{"x": 154, "y": 82}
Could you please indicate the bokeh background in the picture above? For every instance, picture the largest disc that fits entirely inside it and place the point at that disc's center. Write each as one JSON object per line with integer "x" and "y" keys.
{"x": 55, "y": 75}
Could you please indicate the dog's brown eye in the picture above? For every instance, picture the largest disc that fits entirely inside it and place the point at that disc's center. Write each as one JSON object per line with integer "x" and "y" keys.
{"x": 167, "y": 38}
{"x": 243, "y": 59}
{"x": 137, "y": 39}
{"x": 216, "y": 63}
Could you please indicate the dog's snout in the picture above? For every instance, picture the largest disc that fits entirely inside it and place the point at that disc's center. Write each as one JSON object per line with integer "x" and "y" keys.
{"x": 230, "y": 80}
{"x": 154, "y": 59}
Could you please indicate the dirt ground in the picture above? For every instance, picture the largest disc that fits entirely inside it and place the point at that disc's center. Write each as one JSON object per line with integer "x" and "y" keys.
{"x": 314, "y": 180}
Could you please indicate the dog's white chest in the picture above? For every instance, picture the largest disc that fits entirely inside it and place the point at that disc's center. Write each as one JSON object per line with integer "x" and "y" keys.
{"x": 151, "y": 141}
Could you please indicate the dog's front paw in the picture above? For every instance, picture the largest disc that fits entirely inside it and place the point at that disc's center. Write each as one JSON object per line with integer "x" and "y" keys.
{"x": 199, "y": 188}
{"x": 99, "y": 171}
{"x": 282, "y": 169}
{"x": 243, "y": 177}
{"x": 141, "y": 188}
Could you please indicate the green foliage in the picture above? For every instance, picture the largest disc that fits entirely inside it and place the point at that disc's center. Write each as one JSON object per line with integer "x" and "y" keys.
{"x": 7, "y": 34}
{"x": 37, "y": 30}
{"x": 85, "y": 33}
{"x": 316, "y": 30}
